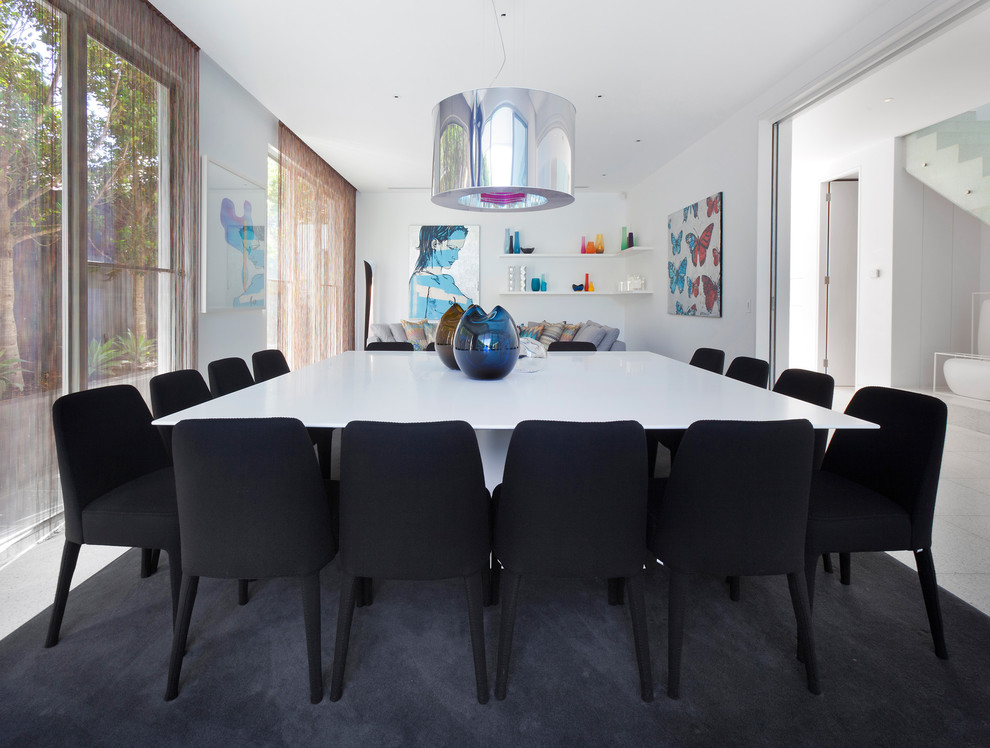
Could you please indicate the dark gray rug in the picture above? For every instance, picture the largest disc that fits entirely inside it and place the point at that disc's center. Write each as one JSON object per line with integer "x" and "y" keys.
{"x": 573, "y": 678}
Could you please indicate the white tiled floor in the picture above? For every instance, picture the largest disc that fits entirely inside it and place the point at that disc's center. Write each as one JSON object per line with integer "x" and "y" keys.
{"x": 960, "y": 544}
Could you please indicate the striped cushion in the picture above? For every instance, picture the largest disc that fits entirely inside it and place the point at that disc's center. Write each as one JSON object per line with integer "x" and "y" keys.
{"x": 551, "y": 332}
{"x": 415, "y": 334}
{"x": 568, "y": 332}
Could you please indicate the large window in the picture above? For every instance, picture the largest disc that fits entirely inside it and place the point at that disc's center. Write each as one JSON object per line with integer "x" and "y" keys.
{"x": 95, "y": 224}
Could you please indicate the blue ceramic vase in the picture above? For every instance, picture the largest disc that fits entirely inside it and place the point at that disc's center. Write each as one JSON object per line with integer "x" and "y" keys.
{"x": 486, "y": 346}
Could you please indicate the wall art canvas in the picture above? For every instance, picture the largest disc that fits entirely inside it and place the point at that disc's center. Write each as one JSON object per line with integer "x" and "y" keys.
{"x": 694, "y": 259}
{"x": 235, "y": 211}
{"x": 443, "y": 269}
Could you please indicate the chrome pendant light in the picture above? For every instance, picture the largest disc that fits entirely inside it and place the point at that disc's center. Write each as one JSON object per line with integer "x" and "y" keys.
{"x": 503, "y": 149}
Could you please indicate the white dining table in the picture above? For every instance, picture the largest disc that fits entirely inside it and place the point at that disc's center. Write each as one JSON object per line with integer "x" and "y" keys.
{"x": 398, "y": 386}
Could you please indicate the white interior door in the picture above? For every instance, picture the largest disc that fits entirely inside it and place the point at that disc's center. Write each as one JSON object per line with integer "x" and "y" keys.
{"x": 837, "y": 300}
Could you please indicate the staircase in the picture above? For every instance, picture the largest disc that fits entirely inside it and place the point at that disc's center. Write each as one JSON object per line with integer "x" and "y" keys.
{"x": 953, "y": 158}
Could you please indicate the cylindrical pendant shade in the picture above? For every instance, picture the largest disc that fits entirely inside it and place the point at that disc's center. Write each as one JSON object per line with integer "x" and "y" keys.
{"x": 503, "y": 149}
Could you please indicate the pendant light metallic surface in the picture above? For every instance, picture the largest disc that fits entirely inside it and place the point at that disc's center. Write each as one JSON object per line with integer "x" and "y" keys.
{"x": 506, "y": 149}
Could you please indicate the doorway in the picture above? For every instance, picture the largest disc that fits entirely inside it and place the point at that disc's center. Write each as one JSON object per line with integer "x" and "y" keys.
{"x": 838, "y": 254}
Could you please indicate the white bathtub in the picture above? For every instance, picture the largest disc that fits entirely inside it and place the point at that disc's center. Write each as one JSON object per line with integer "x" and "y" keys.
{"x": 969, "y": 377}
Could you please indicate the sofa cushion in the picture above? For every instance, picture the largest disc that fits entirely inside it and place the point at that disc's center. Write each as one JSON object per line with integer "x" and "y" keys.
{"x": 381, "y": 331}
{"x": 551, "y": 332}
{"x": 569, "y": 331}
{"x": 530, "y": 331}
{"x": 398, "y": 331}
{"x": 590, "y": 332}
{"x": 430, "y": 328}
{"x": 415, "y": 333}
{"x": 611, "y": 335}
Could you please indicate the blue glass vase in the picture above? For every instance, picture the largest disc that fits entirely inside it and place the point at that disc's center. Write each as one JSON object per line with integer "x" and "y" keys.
{"x": 486, "y": 346}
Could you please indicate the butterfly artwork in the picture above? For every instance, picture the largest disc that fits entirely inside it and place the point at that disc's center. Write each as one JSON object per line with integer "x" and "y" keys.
{"x": 711, "y": 292}
{"x": 699, "y": 245}
{"x": 677, "y": 275}
{"x": 693, "y": 286}
{"x": 694, "y": 258}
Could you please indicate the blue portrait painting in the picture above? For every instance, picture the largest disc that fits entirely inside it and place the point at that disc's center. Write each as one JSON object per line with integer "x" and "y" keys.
{"x": 443, "y": 269}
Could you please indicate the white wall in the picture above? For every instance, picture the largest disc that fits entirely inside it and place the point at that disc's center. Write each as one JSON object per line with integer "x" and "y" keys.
{"x": 383, "y": 221}
{"x": 874, "y": 166}
{"x": 724, "y": 161}
{"x": 235, "y": 131}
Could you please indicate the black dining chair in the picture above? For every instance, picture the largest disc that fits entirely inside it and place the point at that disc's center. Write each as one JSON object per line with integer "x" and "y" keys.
{"x": 268, "y": 364}
{"x": 754, "y": 371}
{"x": 571, "y": 345}
{"x": 171, "y": 392}
{"x": 228, "y": 375}
{"x": 117, "y": 483}
{"x": 412, "y": 524}
{"x": 818, "y": 389}
{"x": 586, "y": 521}
{"x": 876, "y": 488}
{"x": 746, "y": 518}
{"x": 390, "y": 345}
{"x": 252, "y": 505}
{"x": 710, "y": 359}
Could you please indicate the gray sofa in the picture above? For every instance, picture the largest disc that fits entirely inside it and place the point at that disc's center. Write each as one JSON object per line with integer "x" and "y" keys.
{"x": 603, "y": 337}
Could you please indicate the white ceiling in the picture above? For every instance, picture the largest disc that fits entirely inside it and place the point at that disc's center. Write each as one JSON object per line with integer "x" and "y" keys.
{"x": 358, "y": 80}
{"x": 946, "y": 76}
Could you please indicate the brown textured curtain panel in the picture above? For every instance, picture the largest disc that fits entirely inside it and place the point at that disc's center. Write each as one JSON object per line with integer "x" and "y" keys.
{"x": 315, "y": 285}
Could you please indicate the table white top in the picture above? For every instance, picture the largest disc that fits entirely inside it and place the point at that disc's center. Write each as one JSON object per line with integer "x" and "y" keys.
{"x": 658, "y": 392}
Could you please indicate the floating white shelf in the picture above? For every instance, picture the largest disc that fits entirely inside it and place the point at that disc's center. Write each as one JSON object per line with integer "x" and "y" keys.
{"x": 575, "y": 255}
{"x": 581, "y": 294}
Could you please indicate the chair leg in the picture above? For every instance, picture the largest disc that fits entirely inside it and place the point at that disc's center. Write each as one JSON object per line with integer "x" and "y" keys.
{"x": 929, "y": 588}
{"x": 675, "y": 631}
{"x": 810, "y": 567}
{"x": 242, "y": 591}
{"x": 827, "y": 563}
{"x": 494, "y": 582}
{"x": 311, "y": 617}
{"x": 149, "y": 561}
{"x": 806, "y": 634}
{"x": 70, "y": 554}
{"x": 345, "y": 612}
{"x": 616, "y": 590}
{"x": 845, "y": 568}
{"x": 733, "y": 588}
{"x": 510, "y": 595}
{"x": 641, "y": 638}
{"x": 175, "y": 578}
{"x": 365, "y": 593}
{"x": 181, "y": 633}
{"x": 474, "y": 586}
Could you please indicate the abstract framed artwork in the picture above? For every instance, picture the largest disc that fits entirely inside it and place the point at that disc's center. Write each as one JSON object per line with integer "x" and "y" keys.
{"x": 694, "y": 259}
{"x": 235, "y": 211}
{"x": 443, "y": 269}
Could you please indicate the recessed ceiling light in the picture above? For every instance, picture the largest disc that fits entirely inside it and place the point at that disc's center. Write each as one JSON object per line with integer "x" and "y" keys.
{"x": 638, "y": 140}
{"x": 888, "y": 100}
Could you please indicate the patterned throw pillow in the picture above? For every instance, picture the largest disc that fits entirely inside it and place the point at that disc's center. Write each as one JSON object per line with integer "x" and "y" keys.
{"x": 568, "y": 332}
{"x": 530, "y": 331}
{"x": 551, "y": 332}
{"x": 430, "y": 328}
{"x": 415, "y": 334}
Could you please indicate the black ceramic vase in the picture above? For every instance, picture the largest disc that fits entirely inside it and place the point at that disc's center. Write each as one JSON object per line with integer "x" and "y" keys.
{"x": 445, "y": 334}
{"x": 486, "y": 346}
